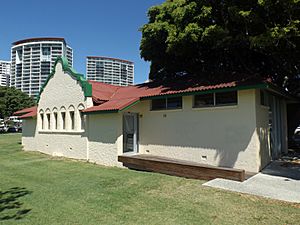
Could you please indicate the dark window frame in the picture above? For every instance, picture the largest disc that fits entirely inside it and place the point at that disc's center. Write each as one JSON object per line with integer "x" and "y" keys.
{"x": 215, "y": 103}
{"x": 166, "y": 107}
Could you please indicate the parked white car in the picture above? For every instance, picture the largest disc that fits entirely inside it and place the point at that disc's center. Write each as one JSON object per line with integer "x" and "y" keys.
{"x": 3, "y": 128}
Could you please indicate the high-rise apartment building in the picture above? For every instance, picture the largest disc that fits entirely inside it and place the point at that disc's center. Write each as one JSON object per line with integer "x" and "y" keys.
{"x": 32, "y": 61}
{"x": 5, "y": 73}
{"x": 110, "y": 70}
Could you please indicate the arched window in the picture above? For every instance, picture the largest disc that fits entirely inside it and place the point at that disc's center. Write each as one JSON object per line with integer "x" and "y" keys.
{"x": 71, "y": 112}
{"x": 80, "y": 117}
{"x": 62, "y": 119}
{"x": 54, "y": 118}
{"x": 41, "y": 121}
{"x": 47, "y": 119}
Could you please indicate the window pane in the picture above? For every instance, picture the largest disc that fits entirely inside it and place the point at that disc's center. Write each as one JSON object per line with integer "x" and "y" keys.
{"x": 46, "y": 50}
{"x": 55, "y": 121}
{"x": 48, "y": 121}
{"x": 158, "y": 104}
{"x": 204, "y": 100}
{"x": 42, "y": 121}
{"x": 226, "y": 98}
{"x": 72, "y": 120}
{"x": 63, "y": 120}
{"x": 174, "y": 103}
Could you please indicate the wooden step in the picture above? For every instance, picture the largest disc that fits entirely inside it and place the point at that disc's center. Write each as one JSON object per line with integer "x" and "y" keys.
{"x": 180, "y": 168}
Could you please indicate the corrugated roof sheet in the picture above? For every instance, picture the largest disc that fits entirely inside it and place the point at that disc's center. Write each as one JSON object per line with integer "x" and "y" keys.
{"x": 111, "y": 97}
{"x": 23, "y": 111}
{"x": 26, "y": 113}
{"x": 113, "y": 105}
{"x": 107, "y": 97}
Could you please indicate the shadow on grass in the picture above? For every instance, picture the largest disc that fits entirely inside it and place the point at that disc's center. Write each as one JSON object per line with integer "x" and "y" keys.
{"x": 11, "y": 208}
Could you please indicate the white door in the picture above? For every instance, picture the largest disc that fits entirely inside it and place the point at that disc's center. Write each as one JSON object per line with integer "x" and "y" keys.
{"x": 130, "y": 133}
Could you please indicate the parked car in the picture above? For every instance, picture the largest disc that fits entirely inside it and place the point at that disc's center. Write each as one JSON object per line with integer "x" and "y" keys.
{"x": 296, "y": 138}
{"x": 14, "y": 129}
{"x": 3, "y": 128}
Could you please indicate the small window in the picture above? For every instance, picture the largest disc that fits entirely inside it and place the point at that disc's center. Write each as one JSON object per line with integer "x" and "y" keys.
{"x": 63, "y": 120}
{"x": 72, "y": 118}
{"x": 158, "y": 104}
{"x": 174, "y": 103}
{"x": 48, "y": 120}
{"x": 42, "y": 121}
{"x": 216, "y": 99}
{"x": 55, "y": 120}
{"x": 226, "y": 98}
{"x": 167, "y": 103}
{"x": 81, "y": 121}
{"x": 205, "y": 100}
{"x": 46, "y": 51}
{"x": 81, "y": 117}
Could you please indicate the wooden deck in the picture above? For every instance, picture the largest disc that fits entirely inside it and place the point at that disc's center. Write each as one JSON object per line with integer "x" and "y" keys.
{"x": 180, "y": 168}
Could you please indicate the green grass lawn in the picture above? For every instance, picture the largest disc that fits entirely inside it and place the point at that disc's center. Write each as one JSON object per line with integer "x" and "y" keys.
{"x": 38, "y": 189}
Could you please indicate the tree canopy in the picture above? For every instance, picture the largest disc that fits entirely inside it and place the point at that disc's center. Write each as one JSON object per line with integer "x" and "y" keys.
{"x": 12, "y": 100}
{"x": 224, "y": 40}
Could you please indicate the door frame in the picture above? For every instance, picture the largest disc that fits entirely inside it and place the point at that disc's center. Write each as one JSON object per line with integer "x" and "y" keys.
{"x": 135, "y": 135}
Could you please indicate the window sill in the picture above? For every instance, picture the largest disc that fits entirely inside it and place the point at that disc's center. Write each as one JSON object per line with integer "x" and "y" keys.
{"x": 215, "y": 107}
{"x": 60, "y": 132}
{"x": 167, "y": 110}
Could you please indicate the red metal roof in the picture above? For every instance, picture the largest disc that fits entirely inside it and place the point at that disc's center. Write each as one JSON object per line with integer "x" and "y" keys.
{"x": 113, "y": 98}
{"x": 26, "y": 113}
{"x": 113, "y": 105}
{"x": 101, "y": 91}
{"x": 107, "y": 97}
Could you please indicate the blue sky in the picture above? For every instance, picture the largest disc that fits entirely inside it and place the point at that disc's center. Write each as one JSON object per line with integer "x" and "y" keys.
{"x": 90, "y": 27}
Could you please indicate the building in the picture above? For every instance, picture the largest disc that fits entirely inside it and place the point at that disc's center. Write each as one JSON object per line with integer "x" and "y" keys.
{"x": 32, "y": 60}
{"x": 227, "y": 124}
{"x": 5, "y": 73}
{"x": 110, "y": 70}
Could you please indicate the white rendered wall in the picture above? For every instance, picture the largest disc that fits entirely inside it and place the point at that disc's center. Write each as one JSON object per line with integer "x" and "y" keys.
{"x": 104, "y": 137}
{"x": 62, "y": 91}
{"x": 263, "y": 132}
{"x": 220, "y": 136}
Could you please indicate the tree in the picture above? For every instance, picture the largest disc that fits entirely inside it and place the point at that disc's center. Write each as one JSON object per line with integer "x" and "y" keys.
{"x": 12, "y": 100}
{"x": 224, "y": 40}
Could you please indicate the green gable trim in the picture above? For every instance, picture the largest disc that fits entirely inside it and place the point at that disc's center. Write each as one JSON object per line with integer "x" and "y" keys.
{"x": 129, "y": 106}
{"x": 86, "y": 86}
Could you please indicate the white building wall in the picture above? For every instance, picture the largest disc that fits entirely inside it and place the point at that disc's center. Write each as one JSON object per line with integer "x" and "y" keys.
{"x": 61, "y": 92}
{"x": 30, "y": 68}
{"x": 5, "y": 71}
{"x": 229, "y": 136}
{"x": 105, "y": 138}
{"x": 219, "y": 136}
{"x": 109, "y": 70}
{"x": 263, "y": 132}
